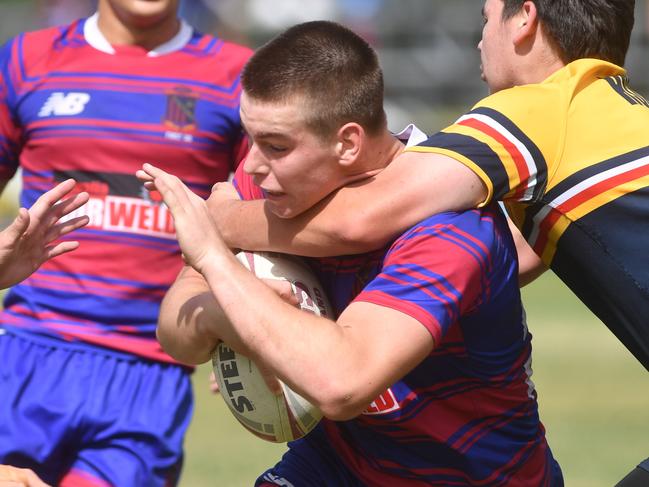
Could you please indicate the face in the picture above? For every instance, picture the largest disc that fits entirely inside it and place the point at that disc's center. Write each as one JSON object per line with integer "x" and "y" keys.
{"x": 142, "y": 13}
{"x": 496, "y": 48}
{"x": 295, "y": 167}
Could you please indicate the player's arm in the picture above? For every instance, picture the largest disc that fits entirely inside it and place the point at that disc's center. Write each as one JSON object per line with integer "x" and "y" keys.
{"x": 361, "y": 217}
{"x": 530, "y": 265}
{"x": 338, "y": 366}
{"x": 188, "y": 317}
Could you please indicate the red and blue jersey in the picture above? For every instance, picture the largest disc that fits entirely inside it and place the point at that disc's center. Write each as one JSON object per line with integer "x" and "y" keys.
{"x": 467, "y": 414}
{"x": 72, "y": 105}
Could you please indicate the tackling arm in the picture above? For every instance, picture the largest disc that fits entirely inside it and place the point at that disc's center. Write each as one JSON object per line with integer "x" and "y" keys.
{"x": 359, "y": 217}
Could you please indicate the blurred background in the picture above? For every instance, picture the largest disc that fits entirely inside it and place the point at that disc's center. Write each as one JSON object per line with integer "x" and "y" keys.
{"x": 594, "y": 396}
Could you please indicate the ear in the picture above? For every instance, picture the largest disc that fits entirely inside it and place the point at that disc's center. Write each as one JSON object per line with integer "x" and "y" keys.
{"x": 349, "y": 143}
{"x": 526, "y": 23}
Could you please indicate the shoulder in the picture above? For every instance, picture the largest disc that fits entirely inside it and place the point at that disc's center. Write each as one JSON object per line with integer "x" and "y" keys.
{"x": 28, "y": 48}
{"x": 215, "y": 47}
{"x": 473, "y": 231}
{"x": 214, "y": 59}
{"x": 530, "y": 109}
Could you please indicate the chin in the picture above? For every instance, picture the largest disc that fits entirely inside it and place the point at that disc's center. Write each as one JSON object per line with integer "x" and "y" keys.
{"x": 144, "y": 13}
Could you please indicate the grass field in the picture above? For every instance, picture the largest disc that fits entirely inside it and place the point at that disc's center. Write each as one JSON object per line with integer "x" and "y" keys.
{"x": 594, "y": 399}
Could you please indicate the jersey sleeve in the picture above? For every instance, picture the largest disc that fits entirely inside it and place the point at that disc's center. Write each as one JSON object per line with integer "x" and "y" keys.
{"x": 10, "y": 131}
{"x": 435, "y": 273}
{"x": 511, "y": 140}
{"x": 245, "y": 185}
{"x": 240, "y": 149}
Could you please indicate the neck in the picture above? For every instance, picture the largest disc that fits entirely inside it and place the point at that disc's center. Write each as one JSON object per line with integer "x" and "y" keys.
{"x": 120, "y": 28}
{"x": 379, "y": 152}
{"x": 540, "y": 59}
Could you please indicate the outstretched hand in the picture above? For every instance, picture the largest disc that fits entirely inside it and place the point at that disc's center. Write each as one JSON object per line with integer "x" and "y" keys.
{"x": 197, "y": 234}
{"x": 28, "y": 241}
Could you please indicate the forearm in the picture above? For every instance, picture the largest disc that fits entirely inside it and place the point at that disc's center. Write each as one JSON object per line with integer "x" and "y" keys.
{"x": 313, "y": 355}
{"x": 249, "y": 225}
{"x": 189, "y": 319}
{"x": 359, "y": 217}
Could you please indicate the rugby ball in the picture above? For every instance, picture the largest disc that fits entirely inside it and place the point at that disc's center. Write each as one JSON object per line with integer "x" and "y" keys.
{"x": 285, "y": 416}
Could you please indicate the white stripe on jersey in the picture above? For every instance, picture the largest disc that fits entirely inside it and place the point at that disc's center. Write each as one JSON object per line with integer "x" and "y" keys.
{"x": 529, "y": 160}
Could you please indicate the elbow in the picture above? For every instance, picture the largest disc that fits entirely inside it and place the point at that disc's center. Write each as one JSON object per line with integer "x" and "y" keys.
{"x": 340, "y": 411}
{"x": 339, "y": 403}
{"x": 172, "y": 346}
{"x": 167, "y": 344}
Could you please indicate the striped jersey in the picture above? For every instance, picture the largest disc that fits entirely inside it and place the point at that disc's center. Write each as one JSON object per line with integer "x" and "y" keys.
{"x": 570, "y": 157}
{"x": 72, "y": 105}
{"x": 467, "y": 414}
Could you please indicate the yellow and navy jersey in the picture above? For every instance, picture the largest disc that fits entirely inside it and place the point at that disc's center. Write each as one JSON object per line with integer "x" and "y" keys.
{"x": 570, "y": 159}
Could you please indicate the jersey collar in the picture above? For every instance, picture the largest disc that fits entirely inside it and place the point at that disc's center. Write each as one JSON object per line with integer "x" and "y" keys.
{"x": 96, "y": 39}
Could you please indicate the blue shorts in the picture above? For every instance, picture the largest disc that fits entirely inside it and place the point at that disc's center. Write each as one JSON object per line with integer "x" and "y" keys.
{"x": 81, "y": 416}
{"x": 309, "y": 461}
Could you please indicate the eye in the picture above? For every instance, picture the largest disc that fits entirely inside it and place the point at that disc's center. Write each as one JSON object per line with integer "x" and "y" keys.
{"x": 276, "y": 148}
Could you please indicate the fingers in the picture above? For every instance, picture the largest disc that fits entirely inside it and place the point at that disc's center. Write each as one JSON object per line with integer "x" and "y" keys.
{"x": 270, "y": 379}
{"x": 59, "y": 249}
{"x": 164, "y": 183}
{"x": 68, "y": 205}
{"x": 33, "y": 480}
{"x": 51, "y": 197}
{"x": 284, "y": 290}
{"x": 225, "y": 189}
{"x": 143, "y": 176}
{"x": 19, "y": 477}
{"x": 66, "y": 227}
{"x": 53, "y": 205}
{"x": 176, "y": 195}
{"x": 214, "y": 385}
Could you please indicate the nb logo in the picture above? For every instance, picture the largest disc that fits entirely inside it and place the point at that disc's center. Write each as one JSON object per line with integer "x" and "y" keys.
{"x": 64, "y": 104}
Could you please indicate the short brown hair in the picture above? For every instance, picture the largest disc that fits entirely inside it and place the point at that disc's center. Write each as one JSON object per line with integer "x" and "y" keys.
{"x": 335, "y": 71}
{"x": 599, "y": 29}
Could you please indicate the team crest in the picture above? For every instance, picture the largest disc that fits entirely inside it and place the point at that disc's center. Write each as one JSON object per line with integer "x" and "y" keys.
{"x": 181, "y": 109}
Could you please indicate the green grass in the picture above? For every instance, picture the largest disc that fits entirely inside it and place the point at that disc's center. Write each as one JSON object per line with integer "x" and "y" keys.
{"x": 594, "y": 400}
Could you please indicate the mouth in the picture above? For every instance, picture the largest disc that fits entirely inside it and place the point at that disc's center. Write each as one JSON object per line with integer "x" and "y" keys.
{"x": 272, "y": 194}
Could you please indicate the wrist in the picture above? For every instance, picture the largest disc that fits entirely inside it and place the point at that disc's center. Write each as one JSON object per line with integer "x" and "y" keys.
{"x": 217, "y": 265}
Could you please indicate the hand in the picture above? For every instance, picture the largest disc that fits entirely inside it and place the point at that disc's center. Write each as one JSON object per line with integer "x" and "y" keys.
{"x": 224, "y": 191}
{"x": 19, "y": 477}
{"x": 284, "y": 289}
{"x": 27, "y": 242}
{"x": 197, "y": 235}
{"x": 214, "y": 385}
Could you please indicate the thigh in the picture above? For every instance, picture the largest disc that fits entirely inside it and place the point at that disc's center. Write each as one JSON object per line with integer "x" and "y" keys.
{"x": 137, "y": 421}
{"x": 38, "y": 415}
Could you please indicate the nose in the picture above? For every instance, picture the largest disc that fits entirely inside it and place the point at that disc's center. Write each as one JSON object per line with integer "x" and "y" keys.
{"x": 480, "y": 45}
{"x": 255, "y": 163}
